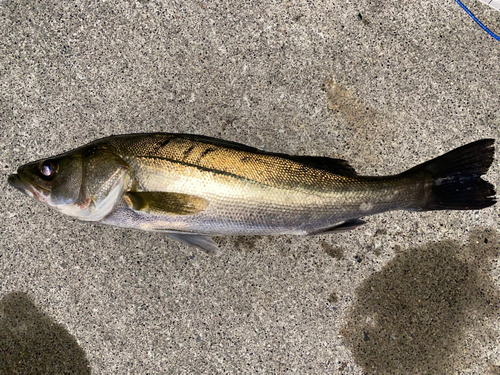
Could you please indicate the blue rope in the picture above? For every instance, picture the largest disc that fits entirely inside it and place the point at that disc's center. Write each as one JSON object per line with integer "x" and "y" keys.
{"x": 477, "y": 21}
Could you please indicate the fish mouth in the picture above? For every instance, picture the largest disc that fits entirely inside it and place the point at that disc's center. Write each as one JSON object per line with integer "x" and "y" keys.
{"x": 26, "y": 187}
{"x": 15, "y": 181}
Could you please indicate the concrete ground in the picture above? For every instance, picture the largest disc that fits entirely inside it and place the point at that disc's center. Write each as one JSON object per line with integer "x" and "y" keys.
{"x": 385, "y": 85}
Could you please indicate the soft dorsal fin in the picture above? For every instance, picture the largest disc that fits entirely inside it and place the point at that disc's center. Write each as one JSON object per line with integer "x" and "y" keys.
{"x": 337, "y": 166}
{"x": 157, "y": 202}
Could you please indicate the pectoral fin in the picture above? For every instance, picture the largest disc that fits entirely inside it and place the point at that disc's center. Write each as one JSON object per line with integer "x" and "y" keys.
{"x": 164, "y": 202}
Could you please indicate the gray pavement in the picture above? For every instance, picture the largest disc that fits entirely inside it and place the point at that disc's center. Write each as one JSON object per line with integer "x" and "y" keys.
{"x": 385, "y": 85}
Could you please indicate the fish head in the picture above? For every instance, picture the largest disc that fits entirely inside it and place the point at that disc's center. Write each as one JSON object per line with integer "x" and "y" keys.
{"x": 54, "y": 181}
{"x": 85, "y": 184}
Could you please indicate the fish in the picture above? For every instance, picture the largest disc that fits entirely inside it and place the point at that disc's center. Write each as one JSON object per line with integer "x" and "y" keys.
{"x": 191, "y": 187}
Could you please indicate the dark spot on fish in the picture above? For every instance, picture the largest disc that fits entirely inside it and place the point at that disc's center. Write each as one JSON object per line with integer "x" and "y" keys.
{"x": 159, "y": 145}
{"x": 334, "y": 252}
{"x": 333, "y": 298}
{"x": 165, "y": 142}
{"x": 415, "y": 315}
{"x": 246, "y": 159}
{"x": 187, "y": 152}
{"x": 206, "y": 152}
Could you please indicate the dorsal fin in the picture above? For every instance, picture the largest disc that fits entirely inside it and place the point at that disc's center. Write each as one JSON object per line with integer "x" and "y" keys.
{"x": 337, "y": 166}
{"x": 222, "y": 143}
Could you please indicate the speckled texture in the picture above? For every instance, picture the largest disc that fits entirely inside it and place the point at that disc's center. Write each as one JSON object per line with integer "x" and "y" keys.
{"x": 383, "y": 85}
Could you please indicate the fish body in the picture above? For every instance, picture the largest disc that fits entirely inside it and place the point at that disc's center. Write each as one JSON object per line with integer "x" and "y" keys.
{"x": 190, "y": 187}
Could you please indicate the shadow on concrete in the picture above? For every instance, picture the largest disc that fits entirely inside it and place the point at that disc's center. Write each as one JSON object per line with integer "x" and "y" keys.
{"x": 427, "y": 311}
{"x": 32, "y": 343}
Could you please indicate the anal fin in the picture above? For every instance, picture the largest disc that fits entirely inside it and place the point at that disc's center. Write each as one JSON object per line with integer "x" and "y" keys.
{"x": 342, "y": 227}
{"x": 200, "y": 241}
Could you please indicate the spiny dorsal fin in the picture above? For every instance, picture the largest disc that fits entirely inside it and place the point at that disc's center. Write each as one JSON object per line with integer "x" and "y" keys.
{"x": 156, "y": 202}
{"x": 337, "y": 166}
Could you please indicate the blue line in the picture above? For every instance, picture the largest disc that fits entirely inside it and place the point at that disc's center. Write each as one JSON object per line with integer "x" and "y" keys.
{"x": 477, "y": 21}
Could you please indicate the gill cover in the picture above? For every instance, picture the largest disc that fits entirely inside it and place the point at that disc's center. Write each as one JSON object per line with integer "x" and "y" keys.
{"x": 105, "y": 178}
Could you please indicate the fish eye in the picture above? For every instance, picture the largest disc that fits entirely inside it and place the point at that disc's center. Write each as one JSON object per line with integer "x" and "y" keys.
{"x": 48, "y": 170}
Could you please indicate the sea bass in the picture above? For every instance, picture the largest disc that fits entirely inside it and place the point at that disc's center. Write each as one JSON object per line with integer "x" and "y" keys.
{"x": 191, "y": 187}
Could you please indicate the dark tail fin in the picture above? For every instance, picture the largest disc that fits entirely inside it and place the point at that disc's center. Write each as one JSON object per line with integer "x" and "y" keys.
{"x": 457, "y": 178}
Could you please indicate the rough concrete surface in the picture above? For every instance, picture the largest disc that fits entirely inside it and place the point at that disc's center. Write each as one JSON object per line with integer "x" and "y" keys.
{"x": 385, "y": 85}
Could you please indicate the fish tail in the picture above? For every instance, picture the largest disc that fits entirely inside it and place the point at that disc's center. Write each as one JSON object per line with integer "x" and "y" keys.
{"x": 456, "y": 178}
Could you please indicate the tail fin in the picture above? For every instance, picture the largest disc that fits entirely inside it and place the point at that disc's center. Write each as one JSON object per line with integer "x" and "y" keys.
{"x": 457, "y": 178}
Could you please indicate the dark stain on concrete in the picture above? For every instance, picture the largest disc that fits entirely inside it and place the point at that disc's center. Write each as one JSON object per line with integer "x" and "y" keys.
{"x": 246, "y": 243}
{"x": 353, "y": 109}
{"x": 334, "y": 252}
{"x": 333, "y": 297}
{"x": 417, "y": 314}
{"x": 32, "y": 343}
{"x": 494, "y": 370}
{"x": 380, "y": 232}
{"x": 364, "y": 126}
